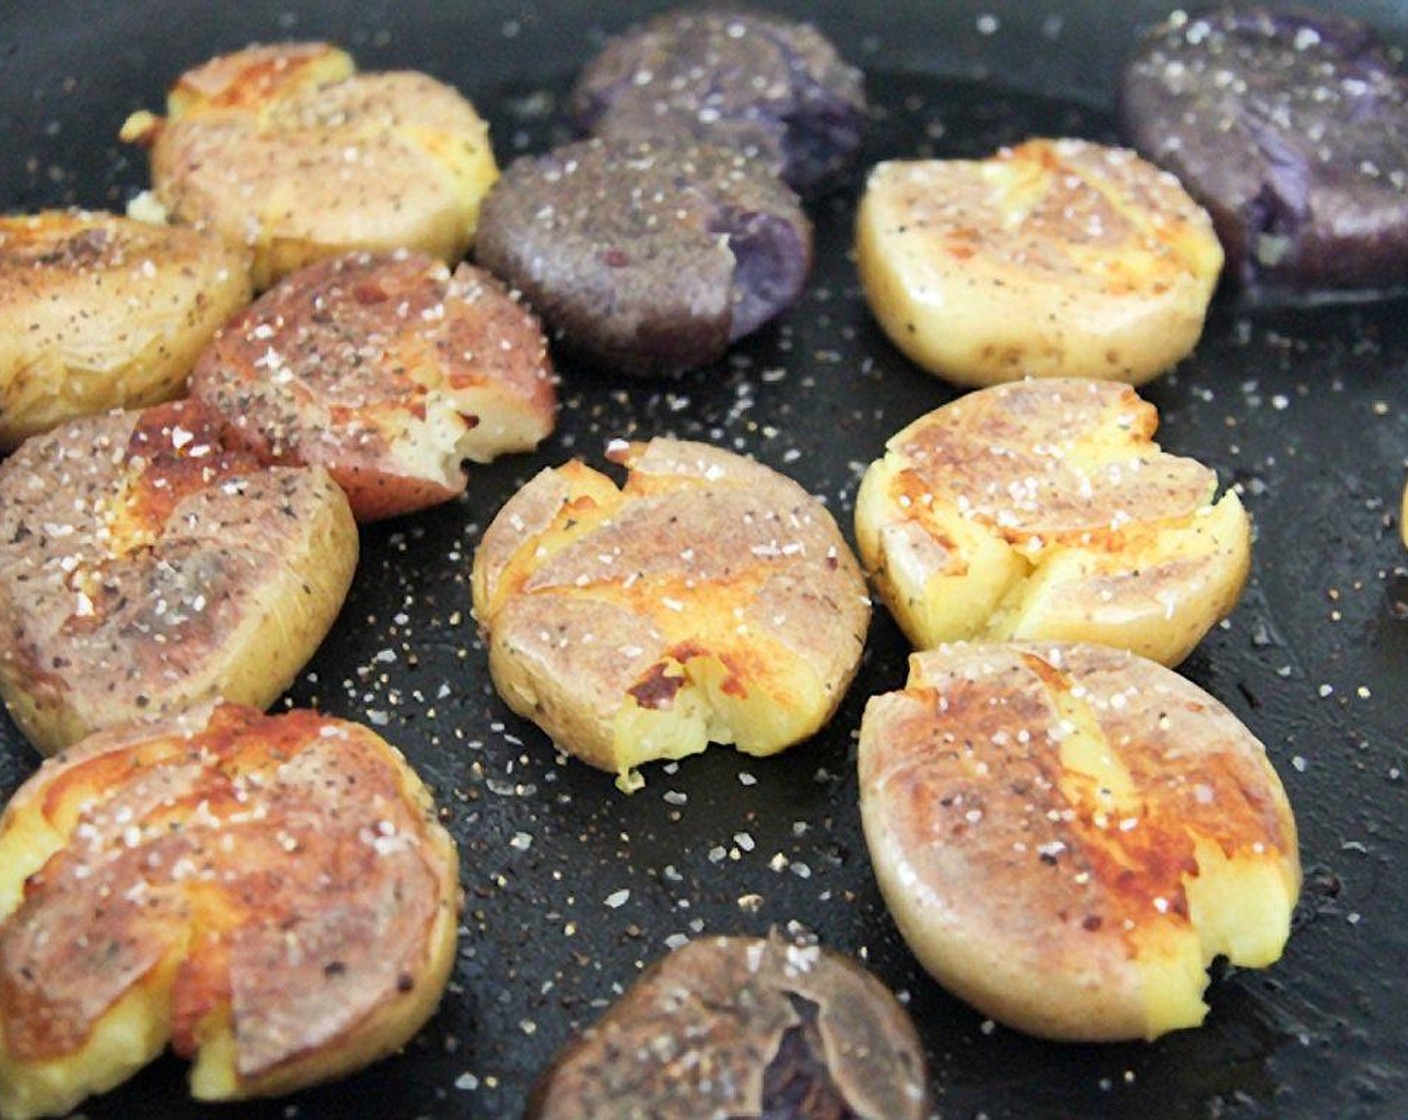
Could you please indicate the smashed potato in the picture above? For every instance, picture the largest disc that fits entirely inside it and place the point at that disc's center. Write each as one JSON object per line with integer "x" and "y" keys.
{"x": 388, "y": 370}
{"x": 1067, "y": 835}
{"x": 708, "y": 599}
{"x": 746, "y": 1028}
{"x": 1044, "y": 509}
{"x": 100, "y": 312}
{"x": 1057, "y": 258}
{"x": 145, "y": 567}
{"x": 272, "y": 896}
{"x": 286, "y": 149}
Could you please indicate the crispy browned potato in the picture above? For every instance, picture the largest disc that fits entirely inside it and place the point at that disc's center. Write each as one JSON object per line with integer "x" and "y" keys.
{"x": 273, "y": 896}
{"x": 100, "y": 312}
{"x": 709, "y": 599}
{"x": 1057, "y": 258}
{"x": 1067, "y": 835}
{"x": 386, "y": 369}
{"x": 747, "y": 1028}
{"x": 1044, "y": 509}
{"x": 286, "y": 149}
{"x": 144, "y": 567}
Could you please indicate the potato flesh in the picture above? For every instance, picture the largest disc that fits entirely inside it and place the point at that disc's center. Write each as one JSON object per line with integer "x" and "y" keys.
{"x": 953, "y": 572}
{"x": 711, "y": 600}
{"x": 1102, "y": 765}
{"x": 129, "y": 1036}
{"x": 228, "y": 926}
{"x": 1239, "y": 906}
{"x": 237, "y": 124}
{"x": 102, "y": 312}
{"x": 1054, "y": 259}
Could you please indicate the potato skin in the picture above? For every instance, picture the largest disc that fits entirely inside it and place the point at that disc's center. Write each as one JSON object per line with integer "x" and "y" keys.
{"x": 1292, "y": 129}
{"x": 709, "y": 599}
{"x": 143, "y": 568}
{"x": 1056, "y": 258}
{"x": 1066, "y": 835}
{"x": 386, "y": 369}
{"x": 273, "y": 895}
{"x": 99, "y": 311}
{"x": 255, "y": 146}
{"x": 769, "y": 87}
{"x": 647, "y": 257}
{"x": 1044, "y": 509}
{"x": 747, "y": 1028}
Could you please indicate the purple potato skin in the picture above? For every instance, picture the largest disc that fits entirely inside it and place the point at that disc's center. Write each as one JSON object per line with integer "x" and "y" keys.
{"x": 758, "y": 83}
{"x": 1292, "y": 131}
{"x": 744, "y": 1028}
{"x": 647, "y": 258}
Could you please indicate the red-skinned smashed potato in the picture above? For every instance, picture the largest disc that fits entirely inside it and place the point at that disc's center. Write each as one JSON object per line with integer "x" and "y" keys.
{"x": 145, "y": 567}
{"x": 1067, "y": 835}
{"x": 388, "y": 370}
{"x": 708, "y": 599}
{"x": 273, "y": 896}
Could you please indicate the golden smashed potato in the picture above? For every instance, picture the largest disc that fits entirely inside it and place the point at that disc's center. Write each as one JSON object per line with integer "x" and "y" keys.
{"x": 145, "y": 567}
{"x": 708, "y": 599}
{"x": 1057, "y": 258}
{"x": 100, "y": 312}
{"x": 1067, "y": 835}
{"x": 1044, "y": 509}
{"x": 286, "y": 149}
{"x": 388, "y": 370}
{"x": 272, "y": 896}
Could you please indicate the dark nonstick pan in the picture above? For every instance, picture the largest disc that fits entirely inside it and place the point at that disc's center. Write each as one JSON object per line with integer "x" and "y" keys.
{"x": 1306, "y": 410}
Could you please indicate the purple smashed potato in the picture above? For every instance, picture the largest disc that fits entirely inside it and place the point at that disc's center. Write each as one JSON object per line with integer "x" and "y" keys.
{"x": 743, "y": 1028}
{"x": 757, "y": 83}
{"x": 1293, "y": 131}
{"x": 646, "y": 257}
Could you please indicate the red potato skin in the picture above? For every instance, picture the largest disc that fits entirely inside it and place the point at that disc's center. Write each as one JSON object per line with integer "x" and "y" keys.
{"x": 372, "y": 366}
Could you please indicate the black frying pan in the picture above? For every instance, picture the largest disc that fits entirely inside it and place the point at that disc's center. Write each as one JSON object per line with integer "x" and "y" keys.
{"x": 1306, "y": 410}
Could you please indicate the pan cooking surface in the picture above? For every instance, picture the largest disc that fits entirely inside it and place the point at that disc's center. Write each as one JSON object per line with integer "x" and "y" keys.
{"x": 570, "y": 887}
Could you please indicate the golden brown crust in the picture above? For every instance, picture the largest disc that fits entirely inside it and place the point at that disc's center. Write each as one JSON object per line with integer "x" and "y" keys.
{"x": 709, "y": 589}
{"x": 1011, "y": 456}
{"x": 100, "y": 312}
{"x": 143, "y": 566}
{"x": 290, "y": 869}
{"x": 284, "y": 148}
{"x": 1035, "y": 812}
{"x": 1044, "y": 509}
{"x": 386, "y": 369}
{"x": 1056, "y": 258}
